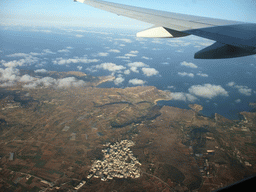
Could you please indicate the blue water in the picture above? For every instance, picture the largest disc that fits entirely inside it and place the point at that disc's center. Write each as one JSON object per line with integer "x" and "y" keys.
{"x": 220, "y": 72}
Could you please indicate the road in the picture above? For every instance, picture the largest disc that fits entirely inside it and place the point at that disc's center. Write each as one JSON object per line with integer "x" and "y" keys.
{"x": 158, "y": 180}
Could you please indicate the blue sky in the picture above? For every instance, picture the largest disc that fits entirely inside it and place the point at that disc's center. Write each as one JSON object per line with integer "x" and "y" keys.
{"x": 67, "y": 13}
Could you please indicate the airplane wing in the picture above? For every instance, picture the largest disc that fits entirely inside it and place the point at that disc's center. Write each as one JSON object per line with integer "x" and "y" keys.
{"x": 233, "y": 38}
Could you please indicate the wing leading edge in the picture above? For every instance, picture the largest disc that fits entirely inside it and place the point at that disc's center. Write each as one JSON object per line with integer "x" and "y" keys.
{"x": 233, "y": 39}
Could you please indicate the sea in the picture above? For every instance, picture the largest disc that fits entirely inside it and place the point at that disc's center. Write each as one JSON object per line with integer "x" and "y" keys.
{"x": 172, "y": 62}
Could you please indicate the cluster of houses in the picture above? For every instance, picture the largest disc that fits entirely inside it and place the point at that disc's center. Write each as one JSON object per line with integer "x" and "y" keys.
{"x": 118, "y": 162}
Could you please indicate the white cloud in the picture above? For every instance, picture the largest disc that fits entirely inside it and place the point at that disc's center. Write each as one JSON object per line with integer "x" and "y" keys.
{"x": 183, "y": 96}
{"x": 177, "y": 43}
{"x": 122, "y": 57}
{"x": 124, "y": 40}
{"x": 79, "y": 36}
{"x": 134, "y": 69}
{"x": 110, "y": 67}
{"x": 157, "y": 41}
{"x": 11, "y": 76}
{"x": 101, "y": 54}
{"x": 69, "y": 81}
{"x": 26, "y": 55}
{"x": 186, "y": 74}
{"x": 137, "y": 82}
{"x": 114, "y": 51}
{"x": 207, "y": 91}
{"x": 130, "y": 55}
{"x": 127, "y": 72}
{"x": 134, "y": 52}
{"x": 7, "y": 84}
{"x": 137, "y": 64}
{"x": 171, "y": 87}
{"x": 149, "y": 71}
{"x": 62, "y": 61}
{"x": 119, "y": 80}
{"x": 19, "y": 55}
{"x": 31, "y": 55}
{"x": 147, "y": 58}
{"x": 43, "y": 30}
{"x": 32, "y": 85}
{"x": 27, "y": 59}
{"x": 242, "y": 89}
{"x": 8, "y": 74}
{"x": 26, "y": 79}
{"x": 231, "y": 84}
{"x": 187, "y": 64}
{"x": 245, "y": 90}
{"x": 79, "y": 68}
{"x": 202, "y": 74}
{"x": 14, "y": 63}
{"x": 41, "y": 71}
{"x": 46, "y": 82}
{"x": 63, "y": 51}
{"x": 57, "y": 83}
{"x": 238, "y": 101}
{"x": 46, "y": 31}
{"x": 48, "y": 51}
